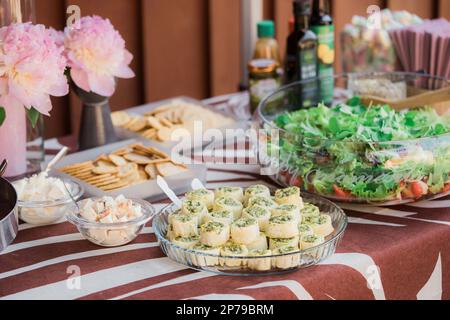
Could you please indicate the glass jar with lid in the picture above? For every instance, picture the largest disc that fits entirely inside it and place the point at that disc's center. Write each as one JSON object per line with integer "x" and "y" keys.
{"x": 263, "y": 80}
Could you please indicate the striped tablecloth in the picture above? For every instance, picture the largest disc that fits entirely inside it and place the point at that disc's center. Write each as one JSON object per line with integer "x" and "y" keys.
{"x": 399, "y": 252}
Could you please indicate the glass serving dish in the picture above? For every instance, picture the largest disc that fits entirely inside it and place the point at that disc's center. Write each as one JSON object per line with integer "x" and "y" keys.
{"x": 370, "y": 172}
{"x": 110, "y": 234}
{"x": 48, "y": 212}
{"x": 254, "y": 266}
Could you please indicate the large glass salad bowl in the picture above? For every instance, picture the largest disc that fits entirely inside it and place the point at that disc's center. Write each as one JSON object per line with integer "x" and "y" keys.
{"x": 350, "y": 152}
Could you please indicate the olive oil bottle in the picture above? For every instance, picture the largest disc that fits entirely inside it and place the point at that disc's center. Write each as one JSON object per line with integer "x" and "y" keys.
{"x": 301, "y": 55}
{"x": 267, "y": 46}
{"x": 322, "y": 25}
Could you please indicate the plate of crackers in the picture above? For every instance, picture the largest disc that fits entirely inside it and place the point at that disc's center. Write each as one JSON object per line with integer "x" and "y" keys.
{"x": 129, "y": 168}
{"x": 171, "y": 121}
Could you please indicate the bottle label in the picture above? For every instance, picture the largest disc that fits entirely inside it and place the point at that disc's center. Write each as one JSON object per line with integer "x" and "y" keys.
{"x": 259, "y": 89}
{"x": 308, "y": 64}
{"x": 308, "y": 71}
{"x": 326, "y": 57}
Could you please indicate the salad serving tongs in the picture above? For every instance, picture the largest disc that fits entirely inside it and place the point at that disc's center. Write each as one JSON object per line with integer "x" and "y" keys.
{"x": 429, "y": 98}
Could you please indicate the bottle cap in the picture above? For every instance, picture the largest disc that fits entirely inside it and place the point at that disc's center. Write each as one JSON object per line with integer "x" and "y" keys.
{"x": 266, "y": 29}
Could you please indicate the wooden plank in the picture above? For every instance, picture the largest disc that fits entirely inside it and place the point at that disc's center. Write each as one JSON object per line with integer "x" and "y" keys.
{"x": 59, "y": 122}
{"x": 268, "y": 9}
{"x": 283, "y": 12}
{"x": 175, "y": 48}
{"x": 224, "y": 41}
{"x": 444, "y": 9}
{"x": 343, "y": 11}
{"x": 424, "y": 9}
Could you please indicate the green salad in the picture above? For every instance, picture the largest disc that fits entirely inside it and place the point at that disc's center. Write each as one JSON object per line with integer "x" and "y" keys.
{"x": 372, "y": 153}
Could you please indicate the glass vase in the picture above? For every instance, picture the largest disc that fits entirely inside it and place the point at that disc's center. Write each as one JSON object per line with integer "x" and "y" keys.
{"x": 20, "y": 143}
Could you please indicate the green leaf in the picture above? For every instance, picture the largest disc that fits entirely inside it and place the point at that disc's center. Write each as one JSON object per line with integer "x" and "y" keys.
{"x": 355, "y": 101}
{"x": 2, "y": 115}
{"x": 33, "y": 116}
{"x": 334, "y": 125}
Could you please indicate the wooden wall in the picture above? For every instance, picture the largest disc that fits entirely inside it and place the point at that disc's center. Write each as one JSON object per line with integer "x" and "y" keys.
{"x": 189, "y": 47}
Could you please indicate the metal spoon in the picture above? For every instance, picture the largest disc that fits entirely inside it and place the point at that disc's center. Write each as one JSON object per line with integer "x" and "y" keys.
{"x": 3, "y": 166}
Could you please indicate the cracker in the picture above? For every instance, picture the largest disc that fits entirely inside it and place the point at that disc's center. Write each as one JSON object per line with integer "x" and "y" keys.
{"x": 104, "y": 170}
{"x": 149, "y": 133}
{"x": 106, "y": 182}
{"x": 137, "y": 158}
{"x": 166, "y": 122}
{"x": 85, "y": 176}
{"x": 114, "y": 186}
{"x": 160, "y": 109}
{"x": 169, "y": 169}
{"x": 138, "y": 125}
{"x": 132, "y": 178}
{"x": 127, "y": 170}
{"x": 154, "y": 123}
{"x": 164, "y": 134}
{"x": 130, "y": 123}
{"x": 82, "y": 171}
{"x": 102, "y": 157}
{"x": 77, "y": 165}
{"x": 120, "y": 118}
{"x": 117, "y": 160}
{"x": 98, "y": 178}
{"x": 122, "y": 151}
{"x": 78, "y": 171}
{"x": 102, "y": 163}
{"x": 152, "y": 151}
{"x": 150, "y": 169}
{"x": 143, "y": 174}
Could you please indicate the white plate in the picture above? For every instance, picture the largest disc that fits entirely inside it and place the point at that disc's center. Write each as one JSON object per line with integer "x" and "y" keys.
{"x": 184, "y": 145}
{"x": 147, "y": 190}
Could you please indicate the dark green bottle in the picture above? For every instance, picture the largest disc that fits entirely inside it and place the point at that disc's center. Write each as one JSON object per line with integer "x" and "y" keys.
{"x": 306, "y": 56}
{"x": 322, "y": 25}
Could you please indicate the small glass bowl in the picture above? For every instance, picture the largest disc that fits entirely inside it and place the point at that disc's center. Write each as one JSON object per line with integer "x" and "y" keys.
{"x": 47, "y": 212}
{"x": 111, "y": 234}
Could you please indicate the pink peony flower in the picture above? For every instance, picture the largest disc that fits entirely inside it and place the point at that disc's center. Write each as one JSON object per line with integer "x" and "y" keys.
{"x": 58, "y": 36}
{"x": 31, "y": 67}
{"x": 96, "y": 55}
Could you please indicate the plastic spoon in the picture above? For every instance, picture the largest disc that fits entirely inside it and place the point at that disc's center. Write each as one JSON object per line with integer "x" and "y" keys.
{"x": 61, "y": 154}
{"x": 162, "y": 183}
{"x": 56, "y": 159}
{"x": 196, "y": 184}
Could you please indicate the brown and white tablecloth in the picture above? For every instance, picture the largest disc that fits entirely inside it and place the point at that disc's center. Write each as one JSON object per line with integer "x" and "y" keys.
{"x": 400, "y": 252}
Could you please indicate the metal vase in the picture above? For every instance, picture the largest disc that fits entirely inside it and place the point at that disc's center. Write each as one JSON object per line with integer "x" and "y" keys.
{"x": 96, "y": 128}
{"x": 9, "y": 216}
